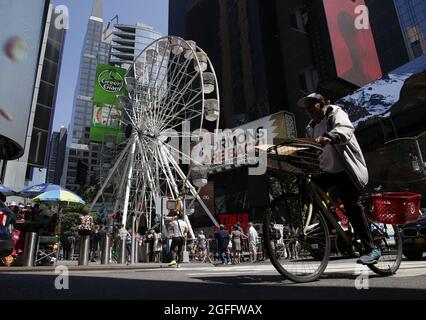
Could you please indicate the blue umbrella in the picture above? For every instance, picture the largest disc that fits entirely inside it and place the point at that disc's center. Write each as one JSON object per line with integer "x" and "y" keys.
{"x": 33, "y": 191}
{"x": 6, "y": 190}
{"x": 59, "y": 196}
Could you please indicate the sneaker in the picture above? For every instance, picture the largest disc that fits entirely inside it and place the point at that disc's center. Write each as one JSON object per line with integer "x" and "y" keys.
{"x": 370, "y": 258}
{"x": 173, "y": 263}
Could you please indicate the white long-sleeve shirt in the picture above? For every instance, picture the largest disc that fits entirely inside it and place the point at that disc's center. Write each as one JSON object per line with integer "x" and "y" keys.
{"x": 252, "y": 235}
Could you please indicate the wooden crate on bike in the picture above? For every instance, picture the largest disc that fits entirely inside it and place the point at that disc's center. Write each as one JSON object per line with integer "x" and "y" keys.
{"x": 294, "y": 156}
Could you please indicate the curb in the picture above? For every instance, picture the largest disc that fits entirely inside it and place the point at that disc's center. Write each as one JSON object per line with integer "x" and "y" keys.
{"x": 112, "y": 267}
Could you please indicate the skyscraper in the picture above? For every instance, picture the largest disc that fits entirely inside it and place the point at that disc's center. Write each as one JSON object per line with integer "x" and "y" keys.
{"x": 412, "y": 17}
{"x": 57, "y": 147}
{"x": 128, "y": 41}
{"x": 81, "y": 155}
{"x": 47, "y": 37}
{"x": 178, "y": 10}
{"x": 387, "y": 34}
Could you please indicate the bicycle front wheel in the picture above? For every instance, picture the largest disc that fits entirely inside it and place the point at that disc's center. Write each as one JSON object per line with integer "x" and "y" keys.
{"x": 388, "y": 239}
{"x": 303, "y": 251}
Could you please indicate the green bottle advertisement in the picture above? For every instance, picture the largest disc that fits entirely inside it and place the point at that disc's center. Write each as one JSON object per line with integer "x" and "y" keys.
{"x": 106, "y": 118}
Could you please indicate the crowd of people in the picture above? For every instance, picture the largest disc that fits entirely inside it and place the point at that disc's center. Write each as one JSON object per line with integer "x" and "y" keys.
{"x": 159, "y": 246}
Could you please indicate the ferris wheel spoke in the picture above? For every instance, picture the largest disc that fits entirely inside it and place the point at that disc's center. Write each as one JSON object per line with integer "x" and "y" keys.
{"x": 170, "y": 108}
{"x": 173, "y": 71}
{"x": 182, "y": 156}
{"x": 179, "y": 93}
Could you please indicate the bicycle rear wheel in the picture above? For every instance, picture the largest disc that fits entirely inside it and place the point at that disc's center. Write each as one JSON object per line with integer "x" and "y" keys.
{"x": 388, "y": 239}
{"x": 303, "y": 251}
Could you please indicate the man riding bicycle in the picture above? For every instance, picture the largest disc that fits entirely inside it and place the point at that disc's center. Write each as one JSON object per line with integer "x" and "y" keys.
{"x": 343, "y": 163}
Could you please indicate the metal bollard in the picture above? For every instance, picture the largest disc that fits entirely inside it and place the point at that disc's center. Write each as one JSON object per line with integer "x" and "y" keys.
{"x": 136, "y": 252}
{"x": 30, "y": 249}
{"x": 106, "y": 241}
{"x": 122, "y": 252}
{"x": 83, "y": 259}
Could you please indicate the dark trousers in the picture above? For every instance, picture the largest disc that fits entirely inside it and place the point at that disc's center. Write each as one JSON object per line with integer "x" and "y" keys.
{"x": 350, "y": 196}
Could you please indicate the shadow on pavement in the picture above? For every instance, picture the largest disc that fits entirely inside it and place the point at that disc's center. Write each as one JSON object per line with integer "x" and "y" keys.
{"x": 25, "y": 286}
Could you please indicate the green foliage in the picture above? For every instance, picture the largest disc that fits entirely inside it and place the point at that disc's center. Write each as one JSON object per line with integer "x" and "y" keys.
{"x": 88, "y": 192}
{"x": 69, "y": 224}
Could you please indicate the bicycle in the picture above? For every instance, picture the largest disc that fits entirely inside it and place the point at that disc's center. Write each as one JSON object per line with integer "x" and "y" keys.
{"x": 308, "y": 213}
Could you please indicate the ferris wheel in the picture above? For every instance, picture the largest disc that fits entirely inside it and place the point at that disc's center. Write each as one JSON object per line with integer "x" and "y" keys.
{"x": 173, "y": 96}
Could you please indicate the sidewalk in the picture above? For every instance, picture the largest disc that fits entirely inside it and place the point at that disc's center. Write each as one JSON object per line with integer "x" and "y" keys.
{"x": 96, "y": 266}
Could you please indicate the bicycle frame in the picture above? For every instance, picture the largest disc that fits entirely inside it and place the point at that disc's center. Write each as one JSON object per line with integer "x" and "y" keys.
{"x": 324, "y": 201}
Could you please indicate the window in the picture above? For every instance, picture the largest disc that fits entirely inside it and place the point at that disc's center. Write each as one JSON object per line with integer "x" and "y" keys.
{"x": 45, "y": 94}
{"x": 49, "y": 71}
{"x": 53, "y": 50}
{"x": 309, "y": 80}
{"x": 416, "y": 47}
{"x": 299, "y": 19}
{"x": 42, "y": 117}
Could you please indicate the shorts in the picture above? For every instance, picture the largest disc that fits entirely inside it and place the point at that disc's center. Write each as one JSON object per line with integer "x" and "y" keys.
{"x": 176, "y": 241}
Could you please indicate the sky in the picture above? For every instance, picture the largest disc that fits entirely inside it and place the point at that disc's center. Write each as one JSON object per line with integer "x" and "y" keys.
{"x": 151, "y": 12}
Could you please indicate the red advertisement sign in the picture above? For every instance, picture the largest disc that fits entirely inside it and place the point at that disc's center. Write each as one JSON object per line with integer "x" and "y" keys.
{"x": 230, "y": 219}
{"x": 352, "y": 40}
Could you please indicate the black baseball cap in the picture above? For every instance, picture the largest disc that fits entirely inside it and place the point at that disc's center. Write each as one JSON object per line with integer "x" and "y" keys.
{"x": 313, "y": 97}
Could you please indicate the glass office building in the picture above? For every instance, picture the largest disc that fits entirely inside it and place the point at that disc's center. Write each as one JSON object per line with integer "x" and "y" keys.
{"x": 412, "y": 16}
{"x": 128, "y": 41}
{"x": 82, "y": 157}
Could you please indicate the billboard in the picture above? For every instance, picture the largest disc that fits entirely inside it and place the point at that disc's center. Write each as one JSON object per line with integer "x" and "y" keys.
{"x": 20, "y": 39}
{"x": 354, "y": 49}
{"x": 106, "y": 116}
{"x": 230, "y": 219}
{"x": 379, "y": 98}
{"x": 278, "y": 126}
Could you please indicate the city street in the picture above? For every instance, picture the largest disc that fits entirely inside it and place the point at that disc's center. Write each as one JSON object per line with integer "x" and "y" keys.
{"x": 245, "y": 282}
{"x": 137, "y": 134}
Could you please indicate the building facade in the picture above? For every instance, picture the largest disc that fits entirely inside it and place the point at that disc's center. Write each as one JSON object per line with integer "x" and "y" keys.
{"x": 178, "y": 10}
{"x": 128, "y": 41}
{"x": 412, "y": 17}
{"x": 82, "y": 157}
{"x": 25, "y": 170}
{"x": 388, "y": 34}
{"x": 269, "y": 54}
{"x": 57, "y": 148}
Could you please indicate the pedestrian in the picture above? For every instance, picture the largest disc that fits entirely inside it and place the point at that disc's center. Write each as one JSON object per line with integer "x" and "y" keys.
{"x": 151, "y": 242}
{"x": 223, "y": 240}
{"x": 202, "y": 246}
{"x": 253, "y": 241}
{"x": 237, "y": 236}
{"x": 343, "y": 163}
{"x": 179, "y": 234}
{"x": 86, "y": 225}
{"x": 129, "y": 245}
{"x": 158, "y": 247}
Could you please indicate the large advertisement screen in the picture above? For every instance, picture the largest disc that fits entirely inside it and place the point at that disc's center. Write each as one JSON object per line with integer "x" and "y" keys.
{"x": 106, "y": 118}
{"x": 21, "y": 25}
{"x": 354, "y": 49}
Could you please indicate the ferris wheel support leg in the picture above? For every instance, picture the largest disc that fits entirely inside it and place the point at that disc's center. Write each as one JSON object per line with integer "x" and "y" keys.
{"x": 120, "y": 192}
{"x": 192, "y": 189}
{"x": 121, "y": 187}
{"x": 111, "y": 172}
{"x": 129, "y": 183}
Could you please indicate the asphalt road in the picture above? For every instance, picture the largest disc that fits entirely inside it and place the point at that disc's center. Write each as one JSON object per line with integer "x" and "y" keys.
{"x": 243, "y": 282}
